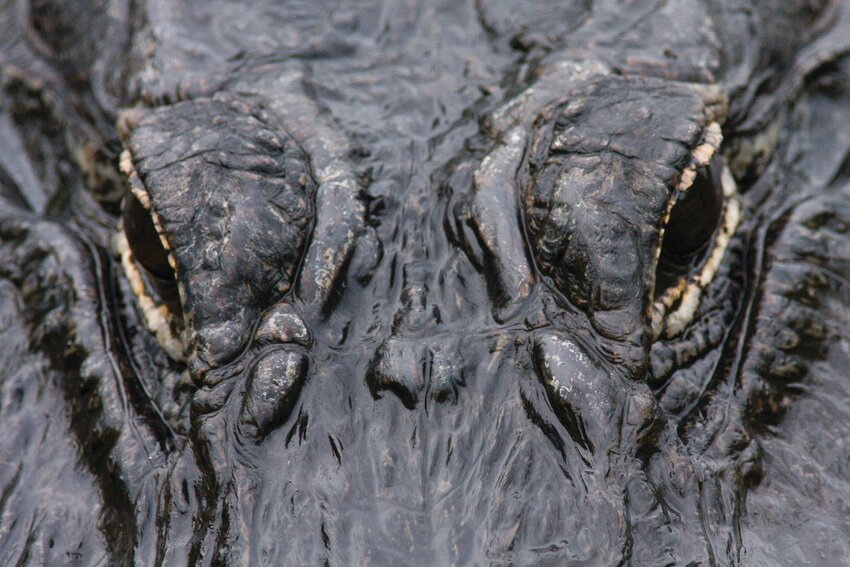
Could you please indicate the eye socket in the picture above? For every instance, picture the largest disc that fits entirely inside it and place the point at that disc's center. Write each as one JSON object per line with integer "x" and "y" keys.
{"x": 149, "y": 252}
{"x": 691, "y": 227}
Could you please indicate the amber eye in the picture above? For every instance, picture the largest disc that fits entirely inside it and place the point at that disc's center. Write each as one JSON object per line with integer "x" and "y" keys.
{"x": 691, "y": 226}
{"x": 149, "y": 253}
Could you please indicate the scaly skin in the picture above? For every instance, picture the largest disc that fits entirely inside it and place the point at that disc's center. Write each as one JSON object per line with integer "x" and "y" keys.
{"x": 404, "y": 283}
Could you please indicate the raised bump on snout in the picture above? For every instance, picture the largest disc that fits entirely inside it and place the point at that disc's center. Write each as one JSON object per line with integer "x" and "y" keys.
{"x": 488, "y": 220}
{"x": 594, "y": 404}
{"x": 279, "y": 325}
{"x": 273, "y": 387}
{"x": 215, "y": 345}
{"x": 413, "y": 369}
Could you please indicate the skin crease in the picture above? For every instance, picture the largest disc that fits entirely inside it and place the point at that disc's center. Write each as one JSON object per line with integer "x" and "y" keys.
{"x": 415, "y": 315}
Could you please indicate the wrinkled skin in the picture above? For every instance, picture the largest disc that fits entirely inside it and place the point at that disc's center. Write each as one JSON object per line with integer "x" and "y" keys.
{"x": 414, "y": 260}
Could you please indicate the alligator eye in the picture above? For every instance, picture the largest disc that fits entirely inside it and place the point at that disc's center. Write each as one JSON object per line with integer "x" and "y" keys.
{"x": 148, "y": 251}
{"x": 691, "y": 226}
{"x": 144, "y": 240}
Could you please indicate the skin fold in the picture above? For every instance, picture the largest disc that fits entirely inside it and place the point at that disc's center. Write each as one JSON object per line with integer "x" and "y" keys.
{"x": 438, "y": 283}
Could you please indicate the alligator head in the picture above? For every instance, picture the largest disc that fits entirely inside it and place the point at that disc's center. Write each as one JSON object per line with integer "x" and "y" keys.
{"x": 521, "y": 288}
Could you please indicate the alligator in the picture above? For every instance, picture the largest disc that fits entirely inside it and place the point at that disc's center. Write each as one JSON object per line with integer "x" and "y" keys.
{"x": 439, "y": 283}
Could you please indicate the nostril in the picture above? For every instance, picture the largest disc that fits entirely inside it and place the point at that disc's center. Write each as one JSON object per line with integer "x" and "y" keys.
{"x": 273, "y": 387}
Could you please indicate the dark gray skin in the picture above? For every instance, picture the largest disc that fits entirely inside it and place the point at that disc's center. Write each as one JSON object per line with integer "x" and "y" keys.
{"x": 414, "y": 258}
